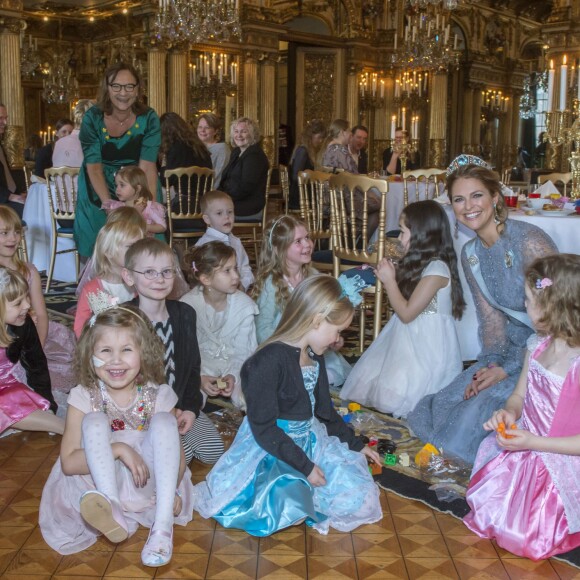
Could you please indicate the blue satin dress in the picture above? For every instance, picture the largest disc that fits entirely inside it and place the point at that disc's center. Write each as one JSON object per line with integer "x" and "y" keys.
{"x": 251, "y": 490}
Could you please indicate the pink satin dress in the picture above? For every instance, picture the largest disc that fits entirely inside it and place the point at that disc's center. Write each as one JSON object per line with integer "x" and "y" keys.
{"x": 528, "y": 501}
{"x": 17, "y": 401}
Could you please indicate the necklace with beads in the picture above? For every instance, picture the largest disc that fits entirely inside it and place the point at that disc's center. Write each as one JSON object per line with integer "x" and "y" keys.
{"x": 118, "y": 424}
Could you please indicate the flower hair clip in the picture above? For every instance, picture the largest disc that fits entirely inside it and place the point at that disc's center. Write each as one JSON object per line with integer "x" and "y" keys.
{"x": 543, "y": 283}
{"x": 351, "y": 288}
{"x": 193, "y": 266}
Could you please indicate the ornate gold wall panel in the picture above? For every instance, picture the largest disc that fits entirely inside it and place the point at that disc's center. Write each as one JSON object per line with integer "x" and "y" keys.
{"x": 319, "y": 88}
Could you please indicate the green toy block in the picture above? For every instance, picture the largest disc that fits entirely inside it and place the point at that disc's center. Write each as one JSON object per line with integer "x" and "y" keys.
{"x": 390, "y": 459}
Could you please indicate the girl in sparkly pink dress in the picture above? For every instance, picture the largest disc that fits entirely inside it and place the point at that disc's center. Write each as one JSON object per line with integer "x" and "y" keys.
{"x": 121, "y": 462}
{"x": 22, "y": 360}
{"x": 525, "y": 489}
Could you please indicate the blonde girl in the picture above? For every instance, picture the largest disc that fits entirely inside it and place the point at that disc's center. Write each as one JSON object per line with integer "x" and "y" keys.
{"x": 21, "y": 407}
{"x": 226, "y": 332}
{"x": 123, "y": 228}
{"x": 285, "y": 261}
{"x": 121, "y": 460}
{"x": 132, "y": 190}
{"x": 294, "y": 458}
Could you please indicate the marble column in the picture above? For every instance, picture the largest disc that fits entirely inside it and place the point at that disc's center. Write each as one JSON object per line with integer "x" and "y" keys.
{"x": 476, "y": 122}
{"x": 177, "y": 92}
{"x": 11, "y": 93}
{"x": 269, "y": 109}
{"x": 157, "y": 86}
{"x": 352, "y": 97}
{"x": 250, "y": 102}
{"x": 438, "y": 121}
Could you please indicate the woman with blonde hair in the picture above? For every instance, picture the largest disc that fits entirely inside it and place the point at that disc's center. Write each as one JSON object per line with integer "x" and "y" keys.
{"x": 245, "y": 176}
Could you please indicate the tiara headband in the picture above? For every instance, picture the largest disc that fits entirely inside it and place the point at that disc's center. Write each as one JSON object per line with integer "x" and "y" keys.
{"x": 466, "y": 159}
{"x": 4, "y": 279}
{"x": 272, "y": 229}
{"x": 100, "y": 302}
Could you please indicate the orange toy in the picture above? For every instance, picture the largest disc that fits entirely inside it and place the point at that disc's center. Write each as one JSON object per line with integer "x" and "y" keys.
{"x": 501, "y": 430}
{"x": 422, "y": 458}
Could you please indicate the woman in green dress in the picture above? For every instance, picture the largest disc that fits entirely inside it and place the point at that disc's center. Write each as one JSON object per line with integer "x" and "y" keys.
{"x": 119, "y": 130}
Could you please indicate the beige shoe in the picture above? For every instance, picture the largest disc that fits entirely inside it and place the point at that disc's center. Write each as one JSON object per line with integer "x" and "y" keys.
{"x": 100, "y": 513}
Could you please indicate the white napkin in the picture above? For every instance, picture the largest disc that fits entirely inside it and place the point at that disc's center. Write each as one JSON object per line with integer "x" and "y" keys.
{"x": 547, "y": 188}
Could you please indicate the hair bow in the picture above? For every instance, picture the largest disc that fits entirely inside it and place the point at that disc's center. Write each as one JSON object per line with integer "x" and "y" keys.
{"x": 4, "y": 279}
{"x": 351, "y": 287}
{"x": 193, "y": 266}
{"x": 543, "y": 283}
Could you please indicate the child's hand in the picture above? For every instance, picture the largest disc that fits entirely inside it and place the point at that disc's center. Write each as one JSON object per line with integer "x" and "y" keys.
{"x": 230, "y": 381}
{"x": 371, "y": 454}
{"x": 135, "y": 465}
{"x": 516, "y": 439}
{"x": 385, "y": 271}
{"x": 316, "y": 477}
{"x": 336, "y": 346}
{"x": 185, "y": 420}
{"x": 209, "y": 385}
{"x": 500, "y": 416}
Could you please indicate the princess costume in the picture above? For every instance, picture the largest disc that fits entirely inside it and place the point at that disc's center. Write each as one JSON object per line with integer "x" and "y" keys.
{"x": 401, "y": 366}
{"x": 260, "y": 484}
{"x": 529, "y": 501}
{"x": 61, "y": 523}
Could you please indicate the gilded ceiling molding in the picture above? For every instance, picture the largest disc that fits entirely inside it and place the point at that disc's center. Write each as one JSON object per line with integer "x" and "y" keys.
{"x": 13, "y": 25}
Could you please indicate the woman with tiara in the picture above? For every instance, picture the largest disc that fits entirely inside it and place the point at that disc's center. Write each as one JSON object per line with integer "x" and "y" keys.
{"x": 494, "y": 262}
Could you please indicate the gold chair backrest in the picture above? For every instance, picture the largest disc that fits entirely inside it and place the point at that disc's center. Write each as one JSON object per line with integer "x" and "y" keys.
{"x": 315, "y": 202}
{"x": 188, "y": 200}
{"x": 61, "y": 183}
{"x": 266, "y": 197}
{"x": 349, "y": 201}
{"x": 564, "y": 178}
{"x": 284, "y": 185}
{"x": 431, "y": 179}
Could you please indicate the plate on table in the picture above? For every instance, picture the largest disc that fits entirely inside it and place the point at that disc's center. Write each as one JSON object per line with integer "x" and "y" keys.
{"x": 556, "y": 213}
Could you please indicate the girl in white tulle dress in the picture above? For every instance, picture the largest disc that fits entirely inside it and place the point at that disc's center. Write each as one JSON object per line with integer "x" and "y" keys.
{"x": 121, "y": 462}
{"x": 417, "y": 353}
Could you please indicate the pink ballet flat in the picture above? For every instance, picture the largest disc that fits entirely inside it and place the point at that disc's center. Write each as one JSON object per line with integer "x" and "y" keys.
{"x": 158, "y": 549}
{"x": 103, "y": 515}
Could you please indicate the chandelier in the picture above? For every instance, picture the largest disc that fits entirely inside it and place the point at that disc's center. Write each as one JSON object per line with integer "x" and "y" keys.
{"x": 493, "y": 104}
{"x": 528, "y": 100}
{"x": 60, "y": 85}
{"x": 212, "y": 76}
{"x": 197, "y": 21}
{"x": 371, "y": 91}
{"x": 412, "y": 89}
{"x": 442, "y": 4}
{"x": 30, "y": 60}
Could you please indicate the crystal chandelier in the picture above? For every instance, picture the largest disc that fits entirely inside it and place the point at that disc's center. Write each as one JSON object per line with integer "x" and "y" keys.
{"x": 30, "y": 60}
{"x": 197, "y": 21}
{"x": 412, "y": 89}
{"x": 211, "y": 76}
{"x": 60, "y": 85}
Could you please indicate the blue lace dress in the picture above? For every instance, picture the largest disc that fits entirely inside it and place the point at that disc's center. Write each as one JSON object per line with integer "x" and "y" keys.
{"x": 252, "y": 490}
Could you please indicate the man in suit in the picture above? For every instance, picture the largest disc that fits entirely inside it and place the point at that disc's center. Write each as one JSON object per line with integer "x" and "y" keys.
{"x": 357, "y": 147}
{"x": 12, "y": 183}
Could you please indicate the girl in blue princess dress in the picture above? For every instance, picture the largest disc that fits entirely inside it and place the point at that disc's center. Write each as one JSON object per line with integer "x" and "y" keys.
{"x": 294, "y": 459}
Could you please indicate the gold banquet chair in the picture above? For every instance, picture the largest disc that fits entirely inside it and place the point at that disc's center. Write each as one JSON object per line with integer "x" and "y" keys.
{"x": 184, "y": 216}
{"x": 351, "y": 244}
{"x": 555, "y": 178}
{"x": 285, "y": 186}
{"x": 251, "y": 232}
{"x": 61, "y": 184}
{"x": 315, "y": 213}
{"x": 427, "y": 177}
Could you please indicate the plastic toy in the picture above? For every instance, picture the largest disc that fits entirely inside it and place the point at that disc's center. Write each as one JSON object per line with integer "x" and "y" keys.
{"x": 385, "y": 446}
{"x": 422, "y": 458}
{"x": 375, "y": 469}
{"x": 404, "y": 459}
{"x": 390, "y": 459}
{"x": 501, "y": 430}
{"x": 353, "y": 407}
{"x": 221, "y": 384}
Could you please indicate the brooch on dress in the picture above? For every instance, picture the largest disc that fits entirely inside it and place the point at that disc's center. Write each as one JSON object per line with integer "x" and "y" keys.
{"x": 508, "y": 258}
{"x": 473, "y": 260}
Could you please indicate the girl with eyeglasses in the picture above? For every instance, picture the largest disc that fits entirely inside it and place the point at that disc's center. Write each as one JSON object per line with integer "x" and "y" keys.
{"x": 119, "y": 131}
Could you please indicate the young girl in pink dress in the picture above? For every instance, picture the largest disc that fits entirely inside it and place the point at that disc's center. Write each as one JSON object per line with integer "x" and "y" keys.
{"x": 525, "y": 490}
{"x": 22, "y": 359}
{"x": 132, "y": 190}
{"x": 121, "y": 463}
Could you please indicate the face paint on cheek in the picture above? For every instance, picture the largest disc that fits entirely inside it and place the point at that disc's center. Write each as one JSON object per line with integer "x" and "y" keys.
{"x": 97, "y": 362}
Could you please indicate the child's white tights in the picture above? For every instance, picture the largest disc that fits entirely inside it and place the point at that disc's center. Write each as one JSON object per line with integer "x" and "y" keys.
{"x": 160, "y": 451}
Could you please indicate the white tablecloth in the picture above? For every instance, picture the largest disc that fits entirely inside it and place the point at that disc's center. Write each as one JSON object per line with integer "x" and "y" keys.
{"x": 565, "y": 231}
{"x": 38, "y": 236}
